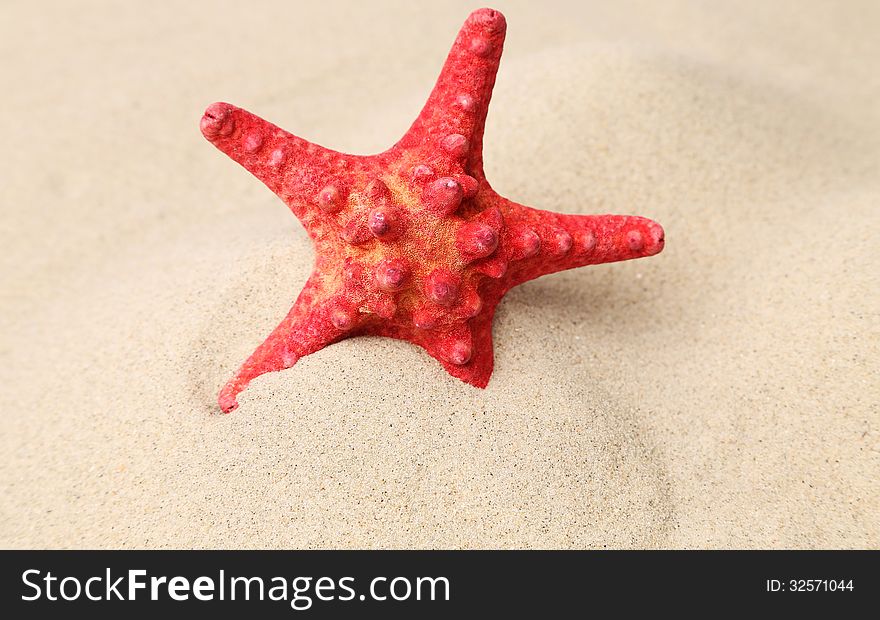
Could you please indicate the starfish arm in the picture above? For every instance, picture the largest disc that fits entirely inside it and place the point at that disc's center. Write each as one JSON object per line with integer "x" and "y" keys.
{"x": 463, "y": 347}
{"x": 454, "y": 116}
{"x": 571, "y": 241}
{"x": 478, "y": 370}
{"x": 308, "y": 327}
{"x": 295, "y": 169}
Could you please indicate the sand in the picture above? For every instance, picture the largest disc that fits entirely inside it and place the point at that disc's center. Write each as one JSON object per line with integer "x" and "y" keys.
{"x": 722, "y": 394}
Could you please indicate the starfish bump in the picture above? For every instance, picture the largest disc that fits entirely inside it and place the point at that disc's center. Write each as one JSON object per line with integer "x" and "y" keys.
{"x": 413, "y": 243}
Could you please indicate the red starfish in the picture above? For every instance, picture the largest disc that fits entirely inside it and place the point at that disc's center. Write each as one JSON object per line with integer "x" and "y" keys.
{"x": 413, "y": 243}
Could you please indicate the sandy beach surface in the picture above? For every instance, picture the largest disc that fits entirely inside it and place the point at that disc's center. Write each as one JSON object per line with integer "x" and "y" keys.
{"x": 722, "y": 394}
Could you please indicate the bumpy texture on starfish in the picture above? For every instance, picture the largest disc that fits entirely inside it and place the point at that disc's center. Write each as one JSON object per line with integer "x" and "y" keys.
{"x": 413, "y": 243}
